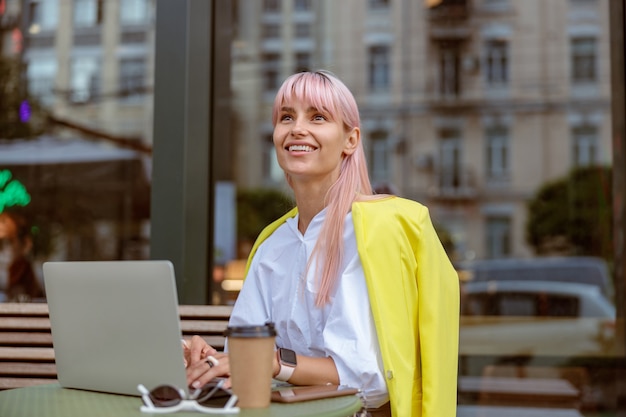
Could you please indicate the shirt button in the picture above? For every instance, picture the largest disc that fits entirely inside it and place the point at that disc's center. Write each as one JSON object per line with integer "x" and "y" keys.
{"x": 389, "y": 375}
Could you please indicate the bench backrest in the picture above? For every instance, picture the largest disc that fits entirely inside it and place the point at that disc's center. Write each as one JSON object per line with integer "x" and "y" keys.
{"x": 27, "y": 355}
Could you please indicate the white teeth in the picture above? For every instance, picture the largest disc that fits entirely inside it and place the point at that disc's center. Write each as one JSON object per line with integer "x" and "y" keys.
{"x": 301, "y": 148}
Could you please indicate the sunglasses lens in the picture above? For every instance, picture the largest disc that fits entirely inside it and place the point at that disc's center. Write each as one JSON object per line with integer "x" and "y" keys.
{"x": 165, "y": 396}
{"x": 217, "y": 399}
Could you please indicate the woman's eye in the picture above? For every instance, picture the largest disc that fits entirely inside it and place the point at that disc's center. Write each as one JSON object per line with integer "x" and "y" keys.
{"x": 285, "y": 117}
{"x": 319, "y": 117}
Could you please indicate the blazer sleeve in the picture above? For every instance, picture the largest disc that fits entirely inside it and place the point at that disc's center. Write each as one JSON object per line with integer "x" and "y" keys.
{"x": 438, "y": 321}
{"x": 414, "y": 296}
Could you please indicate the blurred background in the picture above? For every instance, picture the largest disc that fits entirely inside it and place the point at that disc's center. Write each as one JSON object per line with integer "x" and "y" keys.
{"x": 140, "y": 129}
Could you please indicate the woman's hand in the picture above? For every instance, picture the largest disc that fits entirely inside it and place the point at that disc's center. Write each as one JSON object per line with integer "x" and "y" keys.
{"x": 200, "y": 368}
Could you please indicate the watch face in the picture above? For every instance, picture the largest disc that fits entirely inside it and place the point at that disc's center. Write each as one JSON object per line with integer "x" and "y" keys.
{"x": 287, "y": 356}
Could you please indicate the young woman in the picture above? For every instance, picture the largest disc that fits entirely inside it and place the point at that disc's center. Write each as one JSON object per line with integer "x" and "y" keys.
{"x": 358, "y": 285}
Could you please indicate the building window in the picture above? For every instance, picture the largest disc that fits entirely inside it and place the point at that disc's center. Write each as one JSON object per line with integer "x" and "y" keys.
{"x": 496, "y": 62}
{"x": 378, "y": 58}
{"x": 88, "y": 13}
{"x": 272, "y": 6}
{"x": 379, "y": 155}
{"x": 450, "y": 159}
{"x": 270, "y": 31}
{"x": 303, "y": 61}
{"x": 585, "y": 146}
{"x": 41, "y": 74}
{"x": 302, "y": 5}
{"x": 42, "y": 15}
{"x": 498, "y": 157}
{"x": 302, "y": 30}
{"x": 583, "y": 60}
{"x": 134, "y": 11}
{"x": 85, "y": 79}
{"x": 271, "y": 72}
{"x": 378, "y": 4}
{"x": 132, "y": 75}
{"x": 449, "y": 84}
{"x": 272, "y": 171}
{"x": 498, "y": 235}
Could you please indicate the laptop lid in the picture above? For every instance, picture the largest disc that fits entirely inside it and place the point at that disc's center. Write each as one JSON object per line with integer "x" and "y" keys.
{"x": 115, "y": 324}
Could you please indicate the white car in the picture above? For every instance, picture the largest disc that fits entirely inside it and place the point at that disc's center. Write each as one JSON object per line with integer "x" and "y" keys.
{"x": 536, "y": 318}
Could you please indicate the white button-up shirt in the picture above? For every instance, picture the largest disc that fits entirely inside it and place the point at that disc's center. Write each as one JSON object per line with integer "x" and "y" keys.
{"x": 276, "y": 290}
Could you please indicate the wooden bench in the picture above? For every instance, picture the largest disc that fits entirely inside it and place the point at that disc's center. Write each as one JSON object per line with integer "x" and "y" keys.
{"x": 27, "y": 355}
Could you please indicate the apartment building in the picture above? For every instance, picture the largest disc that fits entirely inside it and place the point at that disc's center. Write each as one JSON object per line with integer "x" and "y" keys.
{"x": 90, "y": 62}
{"x": 468, "y": 106}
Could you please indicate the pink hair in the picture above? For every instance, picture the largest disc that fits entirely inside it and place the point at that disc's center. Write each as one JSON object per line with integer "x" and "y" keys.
{"x": 323, "y": 90}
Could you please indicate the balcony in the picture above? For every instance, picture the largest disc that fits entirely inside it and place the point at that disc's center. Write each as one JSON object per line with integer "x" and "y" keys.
{"x": 448, "y": 10}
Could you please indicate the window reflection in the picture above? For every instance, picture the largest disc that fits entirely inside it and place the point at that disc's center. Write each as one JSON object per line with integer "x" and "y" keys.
{"x": 470, "y": 107}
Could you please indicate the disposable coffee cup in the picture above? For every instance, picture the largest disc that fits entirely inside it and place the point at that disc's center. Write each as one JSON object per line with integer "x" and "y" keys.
{"x": 251, "y": 357}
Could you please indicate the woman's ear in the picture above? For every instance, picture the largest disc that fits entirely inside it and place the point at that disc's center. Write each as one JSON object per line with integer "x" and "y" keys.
{"x": 352, "y": 141}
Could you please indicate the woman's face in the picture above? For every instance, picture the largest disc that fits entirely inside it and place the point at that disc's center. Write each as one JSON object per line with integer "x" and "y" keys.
{"x": 310, "y": 145}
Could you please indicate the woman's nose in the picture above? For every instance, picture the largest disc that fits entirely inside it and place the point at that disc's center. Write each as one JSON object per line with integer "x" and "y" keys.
{"x": 298, "y": 129}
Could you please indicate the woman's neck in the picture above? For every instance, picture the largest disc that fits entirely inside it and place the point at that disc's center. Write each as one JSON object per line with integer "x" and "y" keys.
{"x": 310, "y": 201}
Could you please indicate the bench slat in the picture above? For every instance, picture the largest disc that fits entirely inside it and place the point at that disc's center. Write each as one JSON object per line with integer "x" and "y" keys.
{"x": 25, "y": 323}
{"x": 26, "y": 338}
{"x": 24, "y": 309}
{"x": 29, "y": 354}
{"x": 26, "y": 368}
{"x": 10, "y": 383}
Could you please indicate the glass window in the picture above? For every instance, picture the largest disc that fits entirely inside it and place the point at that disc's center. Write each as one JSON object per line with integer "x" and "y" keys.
{"x": 271, "y": 71}
{"x": 85, "y": 82}
{"x": 497, "y": 139}
{"x": 271, "y": 31}
{"x": 271, "y": 5}
{"x": 379, "y": 67}
{"x": 134, "y": 11}
{"x": 132, "y": 76}
{"x": 88, "y": 13}
{"x": 379, "y": 156}
{"x": 303, "y": 61}
{"x": 498, "y": 236}
{"x": 302, "y": 5}
{"x": 41, "y": 74}
{"x": 89, "y": 170}
{"x": 585, "y": 146}
{"x": 496, "y": 62}
{"x": 449, "y": 84}
{"x": 583, "y": 60}
{"x": 450, "y": 159}
{"x": 379, "y": 4}
{"x": 302, "y": 30}
{"x": 42, "y": 15}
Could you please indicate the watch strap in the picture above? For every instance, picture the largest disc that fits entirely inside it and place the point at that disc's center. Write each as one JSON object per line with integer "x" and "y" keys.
{"x": 284, "y": 371}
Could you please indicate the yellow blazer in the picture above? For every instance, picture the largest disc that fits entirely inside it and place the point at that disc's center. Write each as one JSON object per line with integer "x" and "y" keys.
{"x": 414, "y": 295}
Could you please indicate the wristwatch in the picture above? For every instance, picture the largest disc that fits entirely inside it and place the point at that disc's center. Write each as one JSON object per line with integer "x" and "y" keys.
{"x": 287, "y": 364}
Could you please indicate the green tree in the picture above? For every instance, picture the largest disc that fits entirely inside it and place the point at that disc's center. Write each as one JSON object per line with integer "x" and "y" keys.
{"x": 572, "y": 215}
{"x": 256, "y": 208}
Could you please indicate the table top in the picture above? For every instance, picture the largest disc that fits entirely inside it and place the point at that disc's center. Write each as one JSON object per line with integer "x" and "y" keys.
{"x": 53, "y": 401}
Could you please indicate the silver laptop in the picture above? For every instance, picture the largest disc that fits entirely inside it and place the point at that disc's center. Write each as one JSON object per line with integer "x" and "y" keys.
{"x": 115, "y": 324}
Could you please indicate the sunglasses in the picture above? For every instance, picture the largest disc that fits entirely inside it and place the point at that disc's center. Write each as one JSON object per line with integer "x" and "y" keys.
{"x": 211, "y": 398}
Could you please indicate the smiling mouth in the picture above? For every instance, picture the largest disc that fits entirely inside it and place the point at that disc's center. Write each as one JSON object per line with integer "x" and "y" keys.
{"x": 300, "y": 148}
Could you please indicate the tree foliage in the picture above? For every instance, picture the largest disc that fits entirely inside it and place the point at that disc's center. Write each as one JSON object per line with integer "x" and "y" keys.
{"x": 572, "y": 215}
{"x": 256, "y": 208}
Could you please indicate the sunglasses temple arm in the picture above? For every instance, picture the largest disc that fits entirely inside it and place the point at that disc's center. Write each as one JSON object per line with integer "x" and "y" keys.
{"x": 145, "y": 396}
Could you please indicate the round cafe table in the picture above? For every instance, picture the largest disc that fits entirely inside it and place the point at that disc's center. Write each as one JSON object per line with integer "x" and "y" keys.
{"x": 53, "y": 401}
